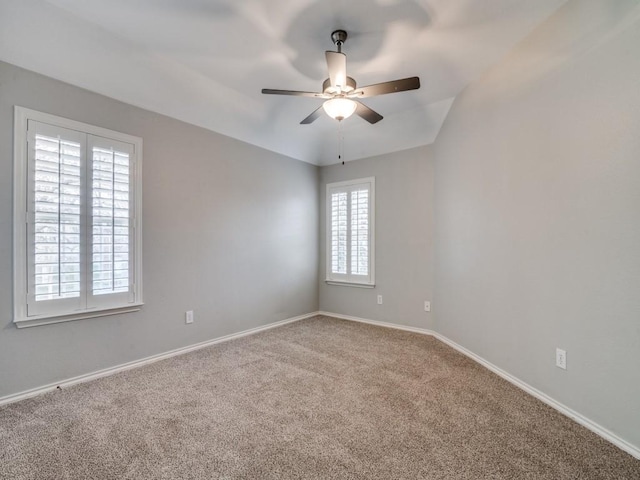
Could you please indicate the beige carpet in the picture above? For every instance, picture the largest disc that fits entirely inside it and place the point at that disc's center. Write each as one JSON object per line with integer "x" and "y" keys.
{"x": 320, "y": 398}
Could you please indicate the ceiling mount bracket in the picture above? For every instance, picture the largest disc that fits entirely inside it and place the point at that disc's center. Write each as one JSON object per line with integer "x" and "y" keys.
{"x": 339, "y": 37}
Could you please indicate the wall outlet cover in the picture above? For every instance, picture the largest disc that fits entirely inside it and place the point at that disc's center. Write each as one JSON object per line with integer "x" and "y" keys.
{"x": 561, "y": 358}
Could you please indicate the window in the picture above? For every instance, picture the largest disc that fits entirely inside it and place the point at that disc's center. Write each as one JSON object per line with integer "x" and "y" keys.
{"x": 77, "y": 239}
{"x": 350, "y": 242}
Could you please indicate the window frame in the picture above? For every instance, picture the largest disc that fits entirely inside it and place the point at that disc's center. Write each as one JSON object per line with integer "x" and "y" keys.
{"x": 22, "y": 165}
{"x": 349, "y": 279}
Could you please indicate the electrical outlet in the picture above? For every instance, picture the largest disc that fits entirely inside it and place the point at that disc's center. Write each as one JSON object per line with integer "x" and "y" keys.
{"x": 188, "y": 317}
{"x": 427, "y": 306}
{"x": 561, "y": 358}
{"x": 379, "y": 299}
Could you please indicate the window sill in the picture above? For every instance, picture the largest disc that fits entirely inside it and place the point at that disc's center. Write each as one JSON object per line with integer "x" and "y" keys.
{"x": 49, "y": 319}
{"x": 350, "y": 284}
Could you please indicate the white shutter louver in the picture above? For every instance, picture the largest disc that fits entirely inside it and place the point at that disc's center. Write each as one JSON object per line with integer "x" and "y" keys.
{"x": 56, "y": 223}
{"x": 339, "y": 232}
{"x": 110, "y": 221}
{"x": 360, "y": 232}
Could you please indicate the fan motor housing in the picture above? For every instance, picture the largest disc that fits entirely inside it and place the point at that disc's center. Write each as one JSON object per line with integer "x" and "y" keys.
{"x": 349, "y": 87}
{"x": 338, "y": 37}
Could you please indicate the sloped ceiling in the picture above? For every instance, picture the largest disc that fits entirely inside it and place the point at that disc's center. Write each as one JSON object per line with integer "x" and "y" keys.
{"x": 206, "y": 61}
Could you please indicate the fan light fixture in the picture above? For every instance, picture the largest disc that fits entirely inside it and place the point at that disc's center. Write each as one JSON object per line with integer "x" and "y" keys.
{"x": 339, "y": 108}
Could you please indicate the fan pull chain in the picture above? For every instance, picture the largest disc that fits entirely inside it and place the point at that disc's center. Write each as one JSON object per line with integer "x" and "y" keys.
{"x": 340, "y": 143}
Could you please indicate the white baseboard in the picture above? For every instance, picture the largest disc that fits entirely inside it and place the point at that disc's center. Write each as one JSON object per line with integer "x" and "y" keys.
{"x": 577, "y": 417}
{"x": 143, "y": 361}
{"x": 395, "y": 326}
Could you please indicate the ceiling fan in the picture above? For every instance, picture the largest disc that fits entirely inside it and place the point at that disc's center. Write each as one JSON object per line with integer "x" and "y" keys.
{"x": 341, "y": 94}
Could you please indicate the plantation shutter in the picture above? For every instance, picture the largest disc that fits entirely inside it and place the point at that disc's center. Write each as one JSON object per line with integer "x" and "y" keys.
{"x": 80, "y": 222}
{"x": 360, "y": 231}
{"x": 339, "y": 220}
{"x": 110, "y": 221}
{"x": 54, "y": 219}
{"x": 350, "y": 232}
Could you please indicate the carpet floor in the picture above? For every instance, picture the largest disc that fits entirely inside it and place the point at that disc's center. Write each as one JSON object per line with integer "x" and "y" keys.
{"x": 320, "y": 398}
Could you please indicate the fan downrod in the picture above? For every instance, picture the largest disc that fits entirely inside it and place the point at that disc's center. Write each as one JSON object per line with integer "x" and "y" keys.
{"x": 339, "y": 37}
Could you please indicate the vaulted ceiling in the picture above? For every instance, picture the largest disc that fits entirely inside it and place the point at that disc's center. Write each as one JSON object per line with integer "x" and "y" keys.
{"x": 206, "y": 61}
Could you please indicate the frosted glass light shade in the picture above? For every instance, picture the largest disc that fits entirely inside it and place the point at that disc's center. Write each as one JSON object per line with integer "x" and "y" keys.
{"x": 339, "y": 108}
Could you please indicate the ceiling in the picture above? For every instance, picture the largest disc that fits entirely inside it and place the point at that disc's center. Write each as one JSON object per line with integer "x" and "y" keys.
{"x": 206, "y": 61}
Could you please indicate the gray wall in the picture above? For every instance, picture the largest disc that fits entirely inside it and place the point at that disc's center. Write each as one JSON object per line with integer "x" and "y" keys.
{"x": 229, "y": 230}
{"x": 404, "y": 245}
{"x": 538, "y": 208}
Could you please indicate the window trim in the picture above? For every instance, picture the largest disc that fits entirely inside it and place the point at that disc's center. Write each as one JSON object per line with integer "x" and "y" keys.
{"x": 20, "y": 235}
{"x": 372, "y": 202}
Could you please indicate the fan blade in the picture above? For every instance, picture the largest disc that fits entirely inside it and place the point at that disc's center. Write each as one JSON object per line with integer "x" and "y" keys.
{"x": 313, "y": 117}
{"x": 412, "y": 83}
{"x": 337, "y": 65}
{"x": 269, "y": 91}
{"x": 365, "y": 112}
